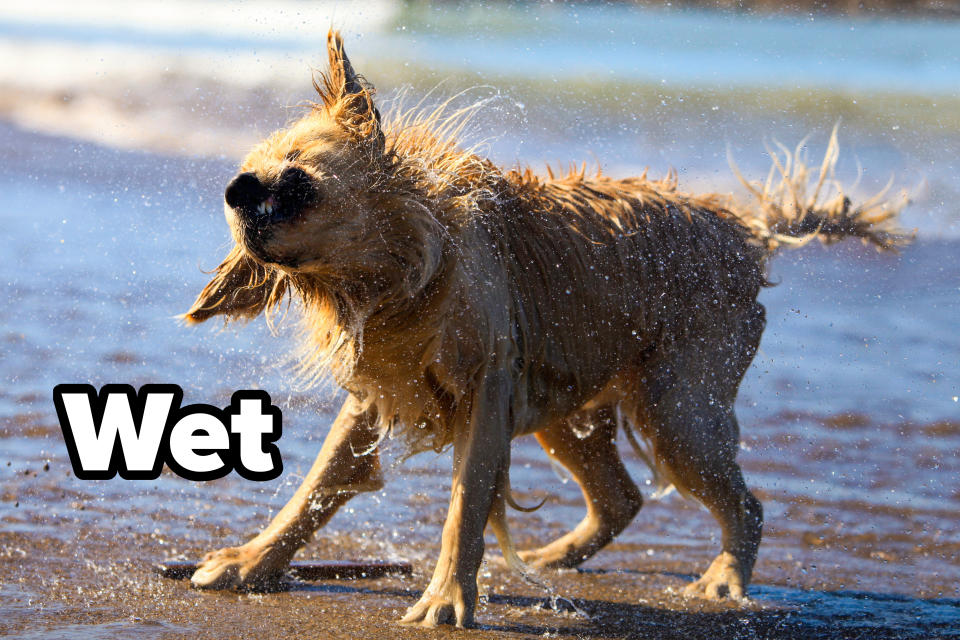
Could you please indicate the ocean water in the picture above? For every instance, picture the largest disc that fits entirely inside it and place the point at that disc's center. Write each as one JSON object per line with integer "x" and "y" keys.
{"x": 850, "y": 416}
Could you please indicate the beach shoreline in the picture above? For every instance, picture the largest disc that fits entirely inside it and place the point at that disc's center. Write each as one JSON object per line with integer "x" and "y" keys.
{"x": 78, "y": 562}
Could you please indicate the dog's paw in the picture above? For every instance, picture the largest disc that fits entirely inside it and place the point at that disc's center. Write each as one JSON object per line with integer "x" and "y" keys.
{"x": 238, "y": 567}
{"x": 444, "y": 606}
{"x": 723, "y": 579}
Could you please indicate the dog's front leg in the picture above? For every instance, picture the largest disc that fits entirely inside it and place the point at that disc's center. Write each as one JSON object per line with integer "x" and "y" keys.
{"x": 481, "y": 450}
{"x": 347, "y": 465}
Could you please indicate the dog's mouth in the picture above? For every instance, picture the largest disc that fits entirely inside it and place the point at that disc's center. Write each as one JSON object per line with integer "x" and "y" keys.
{"x": 260, "y": 207}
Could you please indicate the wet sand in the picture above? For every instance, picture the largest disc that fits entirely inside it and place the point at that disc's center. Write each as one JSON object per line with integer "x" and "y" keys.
{"x": 75, "y": 562}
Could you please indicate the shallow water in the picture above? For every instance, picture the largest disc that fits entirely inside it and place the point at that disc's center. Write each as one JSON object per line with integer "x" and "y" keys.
{"x": 611, "y": 84}
{"x": 690, "y": 48}
{"x": 850, "y": 417}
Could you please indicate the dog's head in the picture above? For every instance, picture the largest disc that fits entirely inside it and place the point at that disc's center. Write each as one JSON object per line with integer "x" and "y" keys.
{"x": 302, "y": 193}
{"x": 307, "y": 203}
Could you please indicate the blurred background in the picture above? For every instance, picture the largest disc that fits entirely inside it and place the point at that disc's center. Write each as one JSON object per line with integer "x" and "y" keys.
{"x": 622, "y": 84}
{"x": 120, "y": 124}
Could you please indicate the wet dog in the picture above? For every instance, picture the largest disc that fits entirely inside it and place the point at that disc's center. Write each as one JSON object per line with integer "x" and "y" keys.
{"x": 460, "y": 304}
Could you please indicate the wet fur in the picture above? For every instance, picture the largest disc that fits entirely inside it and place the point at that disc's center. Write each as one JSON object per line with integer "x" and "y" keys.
{"x": 462, "y": 304}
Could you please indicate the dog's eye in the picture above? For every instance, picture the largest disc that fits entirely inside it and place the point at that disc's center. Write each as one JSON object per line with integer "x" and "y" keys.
{"x": 296, "y": 189}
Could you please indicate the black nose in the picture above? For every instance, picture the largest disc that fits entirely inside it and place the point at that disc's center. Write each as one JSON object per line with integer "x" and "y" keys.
{"x": 245, "y": 192}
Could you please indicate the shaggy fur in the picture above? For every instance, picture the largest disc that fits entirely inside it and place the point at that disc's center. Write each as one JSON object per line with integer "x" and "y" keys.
{"x": 462, "y": 304}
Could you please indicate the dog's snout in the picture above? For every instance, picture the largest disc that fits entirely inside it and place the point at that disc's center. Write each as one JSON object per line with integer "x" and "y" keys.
{"x": 245, "y": 192}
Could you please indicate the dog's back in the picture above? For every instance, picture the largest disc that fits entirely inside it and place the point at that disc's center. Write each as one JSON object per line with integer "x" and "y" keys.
{"x": 598, "y": 274}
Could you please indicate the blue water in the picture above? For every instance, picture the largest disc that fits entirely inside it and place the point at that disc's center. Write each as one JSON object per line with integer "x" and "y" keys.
{"x": 696, "y": 49}
{"x": 678, "y": 48}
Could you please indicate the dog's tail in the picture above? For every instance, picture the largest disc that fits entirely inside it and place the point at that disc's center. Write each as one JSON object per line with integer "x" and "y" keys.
{"x": 797, "y": 204}
{"x": 498, "y": 522}
{"x": 662, "y": 485}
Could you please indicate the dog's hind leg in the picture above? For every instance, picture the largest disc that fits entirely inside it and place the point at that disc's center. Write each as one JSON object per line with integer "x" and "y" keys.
{"x": 612, "y": 497}
{"x": 690, "y": 420}
{"x": 348, "y": 464}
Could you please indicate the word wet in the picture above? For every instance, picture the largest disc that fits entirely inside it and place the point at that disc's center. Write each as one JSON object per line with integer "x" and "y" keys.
{"x": 121, "y": 431}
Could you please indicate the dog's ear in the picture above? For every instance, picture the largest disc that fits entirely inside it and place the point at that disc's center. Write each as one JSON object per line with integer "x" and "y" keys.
{"x": 241, "y": 289}
{"x": 347, "y": 95}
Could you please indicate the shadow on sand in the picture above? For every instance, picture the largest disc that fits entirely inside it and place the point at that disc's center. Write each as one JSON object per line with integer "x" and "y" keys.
{"x": 779, "y": 612}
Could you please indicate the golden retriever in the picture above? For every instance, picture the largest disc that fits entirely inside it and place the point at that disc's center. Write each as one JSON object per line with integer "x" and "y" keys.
{"x": 462, "y": 304}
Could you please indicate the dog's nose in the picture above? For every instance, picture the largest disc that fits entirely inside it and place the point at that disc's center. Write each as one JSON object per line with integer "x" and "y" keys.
{"x": 245, "y": 192}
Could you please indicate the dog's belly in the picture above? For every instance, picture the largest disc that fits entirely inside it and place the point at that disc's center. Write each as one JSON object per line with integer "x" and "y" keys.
{"x": 549, "y": 391}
